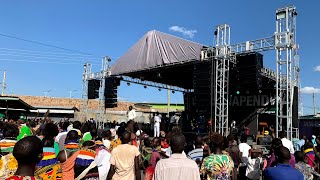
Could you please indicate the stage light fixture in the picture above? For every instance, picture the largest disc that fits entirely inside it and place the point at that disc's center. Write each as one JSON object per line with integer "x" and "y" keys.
{"x": 128, "y": 83}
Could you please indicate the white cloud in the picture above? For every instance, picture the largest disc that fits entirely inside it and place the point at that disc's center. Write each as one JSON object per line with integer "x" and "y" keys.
{"x": 317, "y": 69}
{"x": 310, "y": 90}
{"x": 186, "y": 32}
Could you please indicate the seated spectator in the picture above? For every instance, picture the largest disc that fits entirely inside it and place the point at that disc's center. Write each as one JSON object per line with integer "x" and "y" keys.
{"x": 28, "y": 152}
{"x": 283, "y": 170}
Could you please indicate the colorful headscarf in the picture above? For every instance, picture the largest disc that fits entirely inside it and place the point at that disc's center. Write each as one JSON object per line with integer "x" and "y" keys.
{"x": 85, "y": 157}
{"x": 49, "y": 157}
{"x": 6, "y": 145}
{"x": 72, "y": 145}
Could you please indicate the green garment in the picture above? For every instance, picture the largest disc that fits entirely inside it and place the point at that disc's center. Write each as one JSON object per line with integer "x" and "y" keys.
{"x": 217, "y": 166}
{"x": 87, "y": 136}
{"x": 24, "y": 131}
{"x": 56, "y": 148}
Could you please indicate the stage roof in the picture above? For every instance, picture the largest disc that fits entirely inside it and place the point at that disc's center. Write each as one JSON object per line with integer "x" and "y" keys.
{"x": 156, "y": 49}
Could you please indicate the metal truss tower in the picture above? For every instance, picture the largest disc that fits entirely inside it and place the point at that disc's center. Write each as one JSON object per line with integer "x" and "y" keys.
{"x": 223, "y": 58}
{"x": 88, "y": 75}
{"x": 286, "y": 75}
{"x": 287, "y": 70}
{"x": 84, "y": 101}
{"x": 105, "y": 72}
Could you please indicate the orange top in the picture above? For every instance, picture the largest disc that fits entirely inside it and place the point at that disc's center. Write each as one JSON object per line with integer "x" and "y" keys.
{"x": 68, "y": 166}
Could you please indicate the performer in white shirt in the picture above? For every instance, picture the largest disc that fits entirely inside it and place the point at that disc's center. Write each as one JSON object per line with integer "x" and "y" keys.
{"x": 131, "y": 113}
{"x": 157, "y": 121}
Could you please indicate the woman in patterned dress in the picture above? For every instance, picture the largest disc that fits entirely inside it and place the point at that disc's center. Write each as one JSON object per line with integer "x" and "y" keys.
{"x": 218, "y": 165}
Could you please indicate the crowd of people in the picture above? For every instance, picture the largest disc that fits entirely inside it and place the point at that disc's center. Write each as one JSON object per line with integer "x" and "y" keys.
{"x": 32, "y": 150}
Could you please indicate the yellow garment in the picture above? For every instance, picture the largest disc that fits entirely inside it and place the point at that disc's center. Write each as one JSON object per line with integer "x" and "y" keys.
{"x": 8, "y": 166}
{"x": 114, "y": 144}
{"x": 308, "y": 150}
{"x": 50, "y": 172}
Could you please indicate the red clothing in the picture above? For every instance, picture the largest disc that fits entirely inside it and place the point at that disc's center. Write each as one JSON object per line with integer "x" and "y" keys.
{"x": 149, "y": 173}
{"x": 21, "y": 178}
{"x": 164, "y": 144}
{"x": 134, "y": 142}
{"x": 310, "y": 158}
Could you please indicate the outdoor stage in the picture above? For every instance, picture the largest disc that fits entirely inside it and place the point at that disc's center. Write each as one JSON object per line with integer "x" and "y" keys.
{"x": 159, "y": 59}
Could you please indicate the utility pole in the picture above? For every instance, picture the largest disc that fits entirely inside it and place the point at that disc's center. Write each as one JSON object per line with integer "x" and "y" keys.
{"x": 70, "y": 93}
{"x": 168, "y": 108}
{"x": 46, "y": 93}
{"x": 314, "y": 104}
{"x": 3, "y": 83}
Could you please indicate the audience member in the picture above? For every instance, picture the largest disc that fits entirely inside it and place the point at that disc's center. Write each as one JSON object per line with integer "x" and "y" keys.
{"x": 68, "y": 156}
{"x": 283, "y": 170}
{"x": 124, "y": 160}
{"x": 197, "y": 153}
{"x": 9, "y": 163}
{"x": 303, "y": 167}
{"x": 254, "y": 163}
{"x": 272, "y": 161}
{"x": 217, "y": 165}
{"x": 106, "y": 135}
{"x": 178, "y": 166}
{"x": 28, "y": 152}
{"x": 286, "y": 142}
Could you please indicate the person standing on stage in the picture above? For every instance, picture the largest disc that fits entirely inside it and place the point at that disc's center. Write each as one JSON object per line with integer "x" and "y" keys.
{"x": 131, "y": 113}
{"x": 157, "y": 121}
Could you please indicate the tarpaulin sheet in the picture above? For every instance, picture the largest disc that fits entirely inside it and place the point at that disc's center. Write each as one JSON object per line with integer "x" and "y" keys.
{"x": 156, "y": 49}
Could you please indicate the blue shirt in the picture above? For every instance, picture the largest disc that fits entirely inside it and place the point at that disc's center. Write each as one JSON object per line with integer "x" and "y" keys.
{"x": 283, "y": 172}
